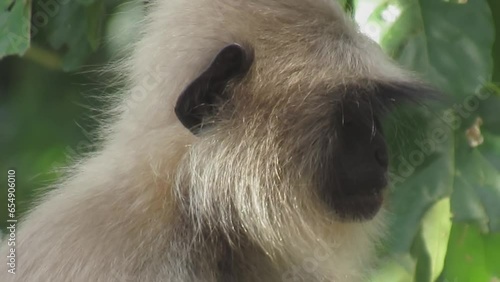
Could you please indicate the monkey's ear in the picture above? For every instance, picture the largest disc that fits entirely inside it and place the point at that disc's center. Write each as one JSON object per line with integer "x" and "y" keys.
{"x": 201, "y": 98}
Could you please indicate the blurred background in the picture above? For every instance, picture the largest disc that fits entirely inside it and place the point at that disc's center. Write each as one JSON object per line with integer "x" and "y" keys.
{"x": 445, "y": 200}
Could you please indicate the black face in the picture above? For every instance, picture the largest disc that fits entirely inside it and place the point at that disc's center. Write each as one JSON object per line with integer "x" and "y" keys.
{"x": 360, "y": 161}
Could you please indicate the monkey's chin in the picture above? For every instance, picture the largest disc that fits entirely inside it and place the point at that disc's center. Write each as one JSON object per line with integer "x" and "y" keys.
{"x": 358, "y": 207}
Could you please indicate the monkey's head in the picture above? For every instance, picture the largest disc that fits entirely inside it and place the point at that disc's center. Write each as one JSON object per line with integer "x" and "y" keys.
{"x": 284, "y": 111}
{"x": 294, "y": 101}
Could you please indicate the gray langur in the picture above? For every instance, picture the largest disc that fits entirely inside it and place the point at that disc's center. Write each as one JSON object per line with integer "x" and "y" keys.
{"x": 248, "y": 148}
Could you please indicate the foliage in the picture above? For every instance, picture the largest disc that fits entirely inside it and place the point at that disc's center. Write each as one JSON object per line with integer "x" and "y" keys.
{"x": 445, "y": 202}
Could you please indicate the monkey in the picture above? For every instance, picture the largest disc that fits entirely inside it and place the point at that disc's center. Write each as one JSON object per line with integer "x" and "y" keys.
{"x": 248, "y": 146}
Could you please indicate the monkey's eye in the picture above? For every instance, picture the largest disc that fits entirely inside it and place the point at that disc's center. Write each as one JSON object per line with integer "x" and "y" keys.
{"x": 199, "y": 101}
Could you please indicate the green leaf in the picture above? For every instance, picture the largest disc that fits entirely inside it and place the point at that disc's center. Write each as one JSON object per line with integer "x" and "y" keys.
{"x": 423, "y": 270}
{"x": 75, "y": 31}
{"x": 432, "y": 38}
{"x": 477, "y": 191}
{"x": 488, "y": 111}
{"x": 492, "y": 249}
{"x": 411, "y": 200}
{"x": 95, "y": 16}
{"x": 393, "y": 270}
{"x": 67, "y": 31}
{"x": 14, "y": 27}
{"x": 446, "y": 45}
{"x": 435, "y": 233}
{"x": 470, "y": 255}
{"x": 491, "y": 149}
{"x": 86, "y": 2}
{"x": 495, "y": 8}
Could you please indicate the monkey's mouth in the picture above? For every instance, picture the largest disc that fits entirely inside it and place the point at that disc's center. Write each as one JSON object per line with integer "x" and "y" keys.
{"x": 359, "y": 204}
{"x": 358, "y": 207}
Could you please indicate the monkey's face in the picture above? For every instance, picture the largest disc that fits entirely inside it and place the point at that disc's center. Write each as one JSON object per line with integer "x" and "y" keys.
{"x": 278, "y": 129}
{"x": 330, "y": 134}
